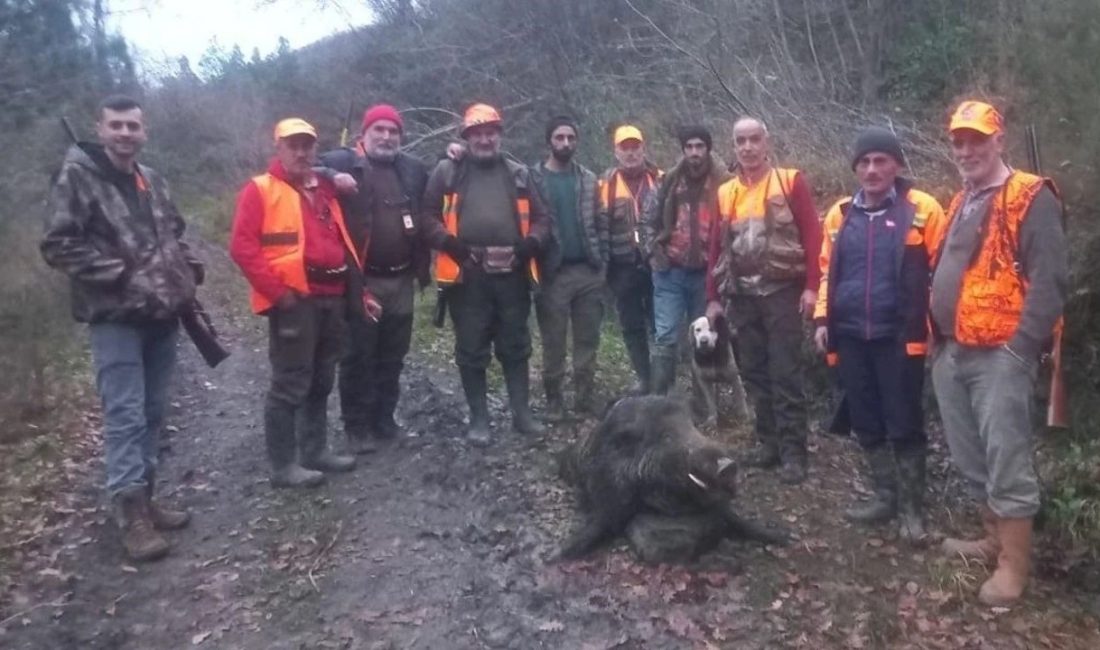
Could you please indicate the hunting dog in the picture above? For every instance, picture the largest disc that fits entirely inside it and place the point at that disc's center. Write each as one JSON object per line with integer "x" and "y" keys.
{"x": 713, "y": 364}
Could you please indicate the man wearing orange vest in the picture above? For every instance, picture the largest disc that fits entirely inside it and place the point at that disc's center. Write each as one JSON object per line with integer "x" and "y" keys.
{"x": 998, "y": 289}
{"x": 623, "y": 191}
{"x": 872, "y": 321}
{"x": 763, "y": 272}
{"x": 488, "y": 222}
{"x": 290, "y": 241}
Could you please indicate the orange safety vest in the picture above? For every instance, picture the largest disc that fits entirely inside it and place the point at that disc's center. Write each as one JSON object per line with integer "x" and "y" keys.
{"x": 447, "y": 271}
{"x": 282, "y": 237}
{"x": 991, "y": 299}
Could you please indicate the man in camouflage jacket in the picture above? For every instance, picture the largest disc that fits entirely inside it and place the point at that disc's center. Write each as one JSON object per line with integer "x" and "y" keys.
{"x": 113, "y": 229}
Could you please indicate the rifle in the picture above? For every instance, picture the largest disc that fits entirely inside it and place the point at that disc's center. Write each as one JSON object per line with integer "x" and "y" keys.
{"x": 347, "y": 121}
{"x": 1057, "y": 402}
{"x": 196, "y": 322}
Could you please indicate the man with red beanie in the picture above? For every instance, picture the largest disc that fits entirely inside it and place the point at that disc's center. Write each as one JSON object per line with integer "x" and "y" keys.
{"x": 383, "y": 218}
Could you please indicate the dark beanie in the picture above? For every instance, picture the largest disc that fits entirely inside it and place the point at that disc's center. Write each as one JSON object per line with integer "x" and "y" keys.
{"x": 560, "y": 120}
{"x": 876, "y": 138}
{"x": 694, "y": 131}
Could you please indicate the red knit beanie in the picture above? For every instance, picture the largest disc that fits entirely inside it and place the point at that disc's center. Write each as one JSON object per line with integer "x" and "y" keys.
{"x": 382, "y": 112}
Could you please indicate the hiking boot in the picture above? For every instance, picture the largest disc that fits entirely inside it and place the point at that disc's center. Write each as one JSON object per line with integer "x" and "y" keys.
{"x": 663, "y": 369}
{"x": 985, "y": 549}
{"x": 1009, "y": 580}
{"x": 517, "y": 382}
{"x": 764, "y": 456}
{"x": 139, "y": 537}
{"x": 911, "y": 472}
{"x": 474, "y": 386}
{"x": 296, "y": 476}
{"x": 162, "y": 518}
{"x": 883, "y": 505}
{"x": 326, "y": 461}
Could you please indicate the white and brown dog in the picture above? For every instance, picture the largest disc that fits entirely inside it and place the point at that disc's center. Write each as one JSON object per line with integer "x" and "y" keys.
{"x": 713, "y": 364}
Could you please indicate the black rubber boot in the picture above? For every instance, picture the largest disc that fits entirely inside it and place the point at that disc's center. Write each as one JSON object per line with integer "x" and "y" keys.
{"x": 474, "y": 385}
{"x": 518, "y": 384}
{"x": 639, "y": 360}
{"x": 883, "y": 505}
{"x": 663, "y": 368}
{"x": 911, "y": 485}
{"x": 555, "y": 401}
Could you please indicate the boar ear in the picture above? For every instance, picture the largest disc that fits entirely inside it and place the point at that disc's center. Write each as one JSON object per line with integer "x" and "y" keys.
{"x": 725, "y": 463}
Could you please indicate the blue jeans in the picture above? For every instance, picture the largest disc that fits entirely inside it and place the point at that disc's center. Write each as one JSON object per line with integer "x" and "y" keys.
{"x": 677, "y": 294}
{"x": 133, "y": 369}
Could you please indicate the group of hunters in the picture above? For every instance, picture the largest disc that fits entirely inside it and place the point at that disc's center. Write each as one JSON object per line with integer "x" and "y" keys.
{"x": 334, "y": 245}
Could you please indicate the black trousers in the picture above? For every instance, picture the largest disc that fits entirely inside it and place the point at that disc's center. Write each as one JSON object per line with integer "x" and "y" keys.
{"x": 883, "y": 386}
{"x": 490, "y": 314}
{"x": 633, "y": 289}
{"x": 305, "y": 343}
{"x": 370, "y": 372}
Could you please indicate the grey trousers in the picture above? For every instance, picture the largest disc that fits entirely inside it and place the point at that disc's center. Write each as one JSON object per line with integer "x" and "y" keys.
{"x": 574, "y": 296}
{"x": 985, "y": 397}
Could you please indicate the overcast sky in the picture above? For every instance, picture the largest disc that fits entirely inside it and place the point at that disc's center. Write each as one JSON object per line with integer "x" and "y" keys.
{"x": 163, "y": 30}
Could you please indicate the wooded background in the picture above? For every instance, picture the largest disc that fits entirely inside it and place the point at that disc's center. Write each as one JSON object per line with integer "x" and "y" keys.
{"x": 816, "y": 70}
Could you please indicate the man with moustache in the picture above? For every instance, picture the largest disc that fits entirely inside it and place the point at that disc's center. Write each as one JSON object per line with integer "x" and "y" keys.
{"x": 488, "y": 222}
{"x": 382, "y": 211}
{"x": 623, "y": 190}
{"x": 872, "y": 321}
{"x": 573, "y": 272}
{"x": 290, "y": 241}
{"x": 764, "y": 274}
{"x": 680, "y": 224}
{"x": 998, "y": 289}
{"x": 114, "y": 230}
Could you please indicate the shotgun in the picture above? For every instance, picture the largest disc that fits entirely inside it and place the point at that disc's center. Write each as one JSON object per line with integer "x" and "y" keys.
{"x": 1057, "y": 406}
{"x": 194, "y": 319}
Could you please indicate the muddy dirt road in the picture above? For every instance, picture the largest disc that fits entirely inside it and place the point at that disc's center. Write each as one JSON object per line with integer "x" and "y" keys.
{"x": 434, "y": 544}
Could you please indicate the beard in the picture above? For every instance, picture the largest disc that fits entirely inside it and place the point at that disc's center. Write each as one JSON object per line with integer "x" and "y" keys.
{"x": 562, "y": 155}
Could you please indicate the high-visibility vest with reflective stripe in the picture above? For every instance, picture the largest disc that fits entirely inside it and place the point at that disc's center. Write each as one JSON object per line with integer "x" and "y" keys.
{"x": 283, "y": 239}
{"x": 447, "y": 271}
{"x": 991, "y": 299}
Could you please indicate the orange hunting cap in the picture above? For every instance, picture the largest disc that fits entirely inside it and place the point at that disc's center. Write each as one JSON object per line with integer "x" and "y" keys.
{"x": 294, "y": 126}
{"x": 478, "y": 114}
{"x": 628, "y": 132}
{"x": 977, "y": 116}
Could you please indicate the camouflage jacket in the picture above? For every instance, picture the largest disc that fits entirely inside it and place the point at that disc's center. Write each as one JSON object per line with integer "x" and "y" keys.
{"x": 125, "y": 265}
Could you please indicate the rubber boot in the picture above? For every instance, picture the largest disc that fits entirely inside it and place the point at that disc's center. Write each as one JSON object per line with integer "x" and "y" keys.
{"x": 984, "y": 549}
{"x": 517, "y": 382}
{"x": 361, "y": 442}
{"x": 883, "y": 505}
{"x": 555, "y": 402}
{"x": 139, "y": 537}
{"x": 293, "y": 475}
{"x": 793, "y": 466}
{"x": 663, "y": 368}
{"x": 585, "y": 400}
{"x": 765, "y": 455}
{"x": 1009, "y": 580}
{"x": 639, "y": 360}
{"x": 387, "y": 392}
{"x": 162, "y": 518}
{"x": 911, "y": 481}
{"x": 474, "y": 386}
{"x": 313, "y": 439}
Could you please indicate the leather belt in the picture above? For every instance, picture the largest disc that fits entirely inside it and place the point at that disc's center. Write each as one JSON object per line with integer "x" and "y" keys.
{"x": 319, "y": 275}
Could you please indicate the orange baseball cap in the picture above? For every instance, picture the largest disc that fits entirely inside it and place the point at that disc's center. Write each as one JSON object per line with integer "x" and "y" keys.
{"x": 294, "y": 126}
{"x": 977, "y": 116}
{"x": 628, "y": 132}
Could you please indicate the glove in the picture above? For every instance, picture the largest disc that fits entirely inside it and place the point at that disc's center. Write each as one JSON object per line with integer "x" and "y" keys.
{"x": 456, "y": 248}
{"x": 527, "y": 248}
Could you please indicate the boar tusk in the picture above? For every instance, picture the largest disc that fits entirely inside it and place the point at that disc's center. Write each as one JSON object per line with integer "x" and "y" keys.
{"x": 695, "y": 480}
{"x": 723, "y": 463}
